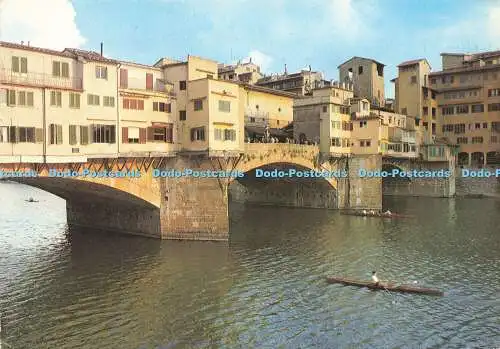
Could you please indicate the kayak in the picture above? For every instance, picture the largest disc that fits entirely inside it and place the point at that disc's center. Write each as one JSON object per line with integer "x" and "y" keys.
{"x": 388, "y": 287}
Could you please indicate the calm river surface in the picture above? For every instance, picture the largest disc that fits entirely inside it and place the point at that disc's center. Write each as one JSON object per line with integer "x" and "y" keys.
{"x": 263, "y": 289}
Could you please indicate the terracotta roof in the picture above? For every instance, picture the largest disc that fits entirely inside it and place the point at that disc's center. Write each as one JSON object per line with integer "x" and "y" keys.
{"x": 268, "y": 90}
{"x": 412, "y": 62}
{"x": 90, "y": 55}
{"x": 140, "y": 65}
{"x": 33, "y": 49}
{"x": 465, "y": 70}
{"x": 366, "y": 59}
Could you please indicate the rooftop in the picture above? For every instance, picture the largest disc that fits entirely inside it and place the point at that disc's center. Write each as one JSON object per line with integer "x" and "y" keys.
{"x": 34, "y": 49}
{"x": 362, "y": 58}
{"x": 413, "y": 62}
{"x": 90, "y": 55}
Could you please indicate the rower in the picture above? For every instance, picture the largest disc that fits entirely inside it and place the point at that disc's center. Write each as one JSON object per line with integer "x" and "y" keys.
{"x": 388, "y": 212}
{"x": 375, "y": 278}
{"x": 364, "y": 212}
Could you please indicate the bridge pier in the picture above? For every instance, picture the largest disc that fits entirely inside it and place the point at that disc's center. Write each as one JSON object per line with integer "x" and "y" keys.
{"x": 194, "y": 208}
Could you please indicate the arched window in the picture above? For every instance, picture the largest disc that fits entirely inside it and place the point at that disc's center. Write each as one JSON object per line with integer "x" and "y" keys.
{"x": 463, "y": 159}
{"x": 477, "y": 159}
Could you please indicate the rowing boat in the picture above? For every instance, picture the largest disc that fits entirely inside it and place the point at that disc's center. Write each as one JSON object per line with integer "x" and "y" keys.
{"x": 387, "y": 287}
{"x": 378, "y": 215}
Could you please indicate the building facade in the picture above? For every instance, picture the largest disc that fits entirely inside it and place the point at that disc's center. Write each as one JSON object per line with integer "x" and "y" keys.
{"x": 367, "y": 77}
{"x": 468, "y": 97}
{"x": 415, "y": 98}
{"x": 244, "y": 72}
{"x": 301, "y": 83}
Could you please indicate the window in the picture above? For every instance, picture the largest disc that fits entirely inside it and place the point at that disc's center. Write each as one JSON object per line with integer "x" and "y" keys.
{"x": 133, "y": 134}
{"x": 426, "y": 111}
{"x": 55, "y": 134}
{"x": 4, "y": 134}
{"x": 426, "y": 93}
{"x": 414, "y": 79}
{"x": 225, "y": 106}
{"x": 93, "y": 99}
{"x": 494, "y": 139}
{"x": 462, "y": 140}
{"x": 495, "y": 125}
{"x": 459, "y": 128}
{"x": 84, "y": 135}
{"x": 462, "y": 109}
{"x": 210, "y": 76}
{"x": 404, "y": 111}
{"x": 485, "y": 125}
{"x": 24, "y": 99}
{"x": 494, "y": 107}
{"x": 433, "y": 81}
{"x": 74, "y": 100}
{"x": 161, "y": 133}
{"x": 162, "y": 107}
{"x": 108, "y": 101}
{"x": 477, "y": 125}
{"x": 103, "y": 134}
{"x": 336, "y": 142}
{"x": 56, "y": 98}
{"x": 325, "y": 109}
{"x": 182, "y": 115}
{"x": 123, "y": 78}
{"x": 477, "y": 140}
{"x": 101, "y": 72}
{"x": 72, "y": 135}
{"x": 360, "y": 70}
{"x": 362, "y": 124}
{"x": 336, "y": 125}
{"x": 149, "y": 81}
{"x": 198, "y": 134}
{"x": 134, "y": 104}
{"x": 60, "y": 69}
{"x": 26, "y": 134}
{"x": 477, "y": 108}
{"x": 494, "y": 92}
{"x": 224, "y": 134}
{"x": 20, "y": 65}
{"x": 198, "y": 104}
{"x": 448, "y": 110}
{"x": 182, "y": 85}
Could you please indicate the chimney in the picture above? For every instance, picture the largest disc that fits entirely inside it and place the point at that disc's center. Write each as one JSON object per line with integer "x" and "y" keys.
{"x": 310, "y": 67}
{"x": 286, "y": 72}
{"x": 28, "y": 43}
{"x": 22, "y": 42}
{"x": 101, "y": 47}
{"x": 250, "y": 59}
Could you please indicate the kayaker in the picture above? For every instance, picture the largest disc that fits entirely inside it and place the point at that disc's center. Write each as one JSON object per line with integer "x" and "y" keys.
{"x": 375, "y": 278}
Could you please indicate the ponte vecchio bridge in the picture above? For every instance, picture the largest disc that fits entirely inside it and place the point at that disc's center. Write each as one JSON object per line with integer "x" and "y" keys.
{"x": 191, "y": 207}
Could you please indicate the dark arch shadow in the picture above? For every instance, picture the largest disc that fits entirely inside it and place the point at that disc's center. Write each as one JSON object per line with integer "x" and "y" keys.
{"x": 390, "y": 168}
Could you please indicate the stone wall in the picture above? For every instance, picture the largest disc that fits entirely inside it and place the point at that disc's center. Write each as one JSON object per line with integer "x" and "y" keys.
{"x": 113, "y": 216}
{"x": 285, "y": 193}
{"x": 424, "y": 187}
{"x": 361, "y": 193}
{"x": 193, "y": 208}
{"x": 474, "y": 186}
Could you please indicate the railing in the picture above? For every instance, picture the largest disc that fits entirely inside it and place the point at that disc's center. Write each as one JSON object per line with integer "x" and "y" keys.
{"x": 40, "y": 79}
{"x": 256, "y": 114}
{"x": 140, "y": 85}
{"x": 395, "y": 134}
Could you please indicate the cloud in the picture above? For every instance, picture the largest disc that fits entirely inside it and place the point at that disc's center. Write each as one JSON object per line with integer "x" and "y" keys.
{"x": 261, "y": 59}
{"x": 44, "y": 23}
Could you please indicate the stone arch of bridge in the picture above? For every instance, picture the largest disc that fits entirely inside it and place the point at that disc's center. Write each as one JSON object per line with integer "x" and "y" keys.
{"x": 391, "y": 166}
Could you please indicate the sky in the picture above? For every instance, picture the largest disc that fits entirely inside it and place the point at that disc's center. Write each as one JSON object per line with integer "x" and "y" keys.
{"x": 320, "y": 33}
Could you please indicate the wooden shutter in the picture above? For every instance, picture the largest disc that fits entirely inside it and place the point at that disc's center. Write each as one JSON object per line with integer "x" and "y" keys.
{"x": 59, "y": 134}
{"x": 30, "y": 99}
{"x": 72, "y": 134}
{"x": 168, "y": 107}
{"x": 39, "y": 135}
{"x": 124, "y": 134}
{"x": 84, "y": 135}
{"x": 125, "y": 103}
{"x": 15, "y": 64}
{"x": 56, "y": 68}
{"x": 149, "y": 81}
{"x": 169, "y": 134}
{"x": 140, "y": 104}
{"x": 155, "y": 106}
{"x": 65, "y": 70}
{"x": 24, "y": 65}
{"x": 151, "y": 136}
{"x": 123, "y": 78}
{"x": 112, "y": 134}
{"x": 13, "y": 134}
{"x": 192, "y": 134}
{"x": 142, "y": 135}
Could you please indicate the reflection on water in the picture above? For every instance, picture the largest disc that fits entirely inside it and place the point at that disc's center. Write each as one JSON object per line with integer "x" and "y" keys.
{"x": 263, "y": 289}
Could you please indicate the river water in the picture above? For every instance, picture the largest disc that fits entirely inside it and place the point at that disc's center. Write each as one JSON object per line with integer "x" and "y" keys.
{"x": 264, "y": 289}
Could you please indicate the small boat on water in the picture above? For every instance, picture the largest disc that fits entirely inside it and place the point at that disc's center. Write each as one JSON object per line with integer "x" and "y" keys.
{"x": 387, "y": 287}
{"x": 375, "y": 214}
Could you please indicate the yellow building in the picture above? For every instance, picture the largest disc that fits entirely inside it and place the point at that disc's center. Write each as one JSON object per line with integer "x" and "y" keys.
{"x": 264, "y": 106}
{"x": 367, "y": 76}
{"x": 244, "y": 72}
{"x": 469, "y": 105}
{"x": 147, "y": 106}
{"x": 415, "y": 98}
{"x": 324, "y": 119}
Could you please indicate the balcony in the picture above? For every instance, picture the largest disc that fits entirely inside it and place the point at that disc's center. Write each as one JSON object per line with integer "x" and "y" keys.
{"x": 159, "y": 86}
{"x": 395, "y": 134}
{"x": 257, "y": 114}
{"x": 7, "y": 76}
